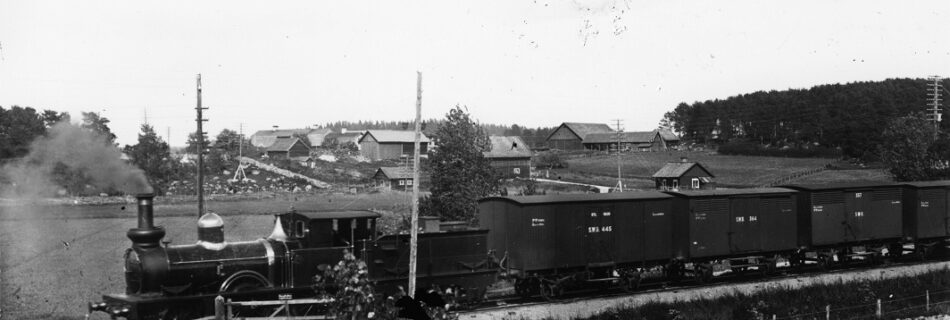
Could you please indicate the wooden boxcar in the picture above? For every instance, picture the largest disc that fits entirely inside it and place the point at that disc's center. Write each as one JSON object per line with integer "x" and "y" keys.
{"x": 849, "y": 214}
{"x": 729, "y": 223}
{"x": 925, "y": 210}
{"x": 556, "y": 234}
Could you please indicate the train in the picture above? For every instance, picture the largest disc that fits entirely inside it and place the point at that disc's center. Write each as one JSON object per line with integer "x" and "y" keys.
{"x": 543, "y": 245}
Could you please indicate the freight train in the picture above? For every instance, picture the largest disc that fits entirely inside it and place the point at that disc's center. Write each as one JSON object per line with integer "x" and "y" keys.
{"x": 555, "y": 243}
{"x": 543, "y": 245}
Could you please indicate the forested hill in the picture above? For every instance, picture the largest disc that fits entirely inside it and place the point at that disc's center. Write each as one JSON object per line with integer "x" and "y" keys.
{"x": 850, "y": 116}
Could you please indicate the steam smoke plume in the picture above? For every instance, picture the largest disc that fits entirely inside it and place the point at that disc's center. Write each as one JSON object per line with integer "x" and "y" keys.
{"x": 79, "y": 150}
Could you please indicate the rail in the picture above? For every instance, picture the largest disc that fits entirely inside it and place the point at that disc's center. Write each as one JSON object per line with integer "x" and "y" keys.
{"x": 224, "y": 309}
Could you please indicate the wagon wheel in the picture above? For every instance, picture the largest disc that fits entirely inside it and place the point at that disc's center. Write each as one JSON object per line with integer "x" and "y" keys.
{"x": 631, "y": 282}
{"x": 824, "y": 263}
{"x": 523, "y": 287}
{"x": 703, "y": 274}
{"x": 550, "y": 291}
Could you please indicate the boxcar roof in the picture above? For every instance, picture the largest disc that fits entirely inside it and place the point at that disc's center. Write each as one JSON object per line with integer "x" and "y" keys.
{"x": 925, "y": 184}
{"x": 843, "y": 185}
{"x": 730, "y": 192}
{"x": 338, "y": 214}
{"x": 581, "y": 197}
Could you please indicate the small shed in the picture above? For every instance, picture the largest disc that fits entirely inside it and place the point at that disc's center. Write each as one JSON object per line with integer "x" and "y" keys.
{"x": 288, "y": 148}
{"x": 683, "y": 175}
{"x": 393, "y": 178}
{"x": 509, "y": 156}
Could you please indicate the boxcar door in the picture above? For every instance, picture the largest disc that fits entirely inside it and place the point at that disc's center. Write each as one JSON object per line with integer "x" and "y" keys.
{"x": 600, "y": 236}
{"x": 709, "y": 228}
{"x": 857, "y": 207}
{"x": 744, "y": 216}
{"x": 828, "y": 217}
{"x": 931, "y": 213}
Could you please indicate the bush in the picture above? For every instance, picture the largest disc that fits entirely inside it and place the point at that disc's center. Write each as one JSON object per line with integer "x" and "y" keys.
{"x": 549, "y": 160}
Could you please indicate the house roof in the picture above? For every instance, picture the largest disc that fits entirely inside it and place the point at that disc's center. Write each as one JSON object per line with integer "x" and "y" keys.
{"x": 840, "y": 186}
{"x": 265, "y": 138}
{"x": 583, "y": 129}
{"x": 628, "y": 137}
{"x": 399, "y": 136}
{"x": 508, "y": 147}
{"x": 395, "y": 172}
{"x": 929, "y": 184}
{"x": 284, "y": 144}
{"x": 668, "y": 135}
{"x": 677, "y": 169}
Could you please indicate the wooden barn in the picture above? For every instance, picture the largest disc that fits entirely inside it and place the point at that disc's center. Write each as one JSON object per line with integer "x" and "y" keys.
{"x": 390, "y": 144}
{"x": 570, "y": 135}
{"x": 670, "y": 138}
{"x": 288, "y": 148}
{"x": 629, "y": 141}
{"x": 393, "y": 178}
{"x": 683, "y": 175}
{"x": 510, "y": 156}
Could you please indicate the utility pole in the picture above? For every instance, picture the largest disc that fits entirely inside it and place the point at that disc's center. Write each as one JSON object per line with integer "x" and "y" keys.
{"x": 619, "y": 158}
{"x": 200, "y": 150}
{"x": 414, "y": 233}
{"x": 933, "y": 105}
{"x": 168, "y": 135}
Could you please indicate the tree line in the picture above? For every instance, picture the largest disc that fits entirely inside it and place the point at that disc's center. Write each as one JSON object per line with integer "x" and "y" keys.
{"x": 847, "y": 117}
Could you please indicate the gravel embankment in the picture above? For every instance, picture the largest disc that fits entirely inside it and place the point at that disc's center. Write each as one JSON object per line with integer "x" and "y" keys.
{"x": 586, "y": 308}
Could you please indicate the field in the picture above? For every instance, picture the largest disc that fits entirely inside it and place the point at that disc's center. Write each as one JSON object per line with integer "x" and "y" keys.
{"x": 54, "y": 258}
{"x": 729, "y": 171}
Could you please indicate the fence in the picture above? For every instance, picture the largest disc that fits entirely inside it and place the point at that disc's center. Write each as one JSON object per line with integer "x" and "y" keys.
{"x": 225, "y": 309}
{"x": 883, "y": 308}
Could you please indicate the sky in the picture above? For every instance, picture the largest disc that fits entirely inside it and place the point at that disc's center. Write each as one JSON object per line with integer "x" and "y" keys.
{"x": 534, "y": 63}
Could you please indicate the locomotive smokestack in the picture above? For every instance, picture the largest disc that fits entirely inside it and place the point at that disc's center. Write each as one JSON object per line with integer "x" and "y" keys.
{"x": 146, "y": 235}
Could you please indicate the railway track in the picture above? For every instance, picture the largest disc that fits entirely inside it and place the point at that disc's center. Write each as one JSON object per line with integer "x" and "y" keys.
{"x": 587, "y": 303}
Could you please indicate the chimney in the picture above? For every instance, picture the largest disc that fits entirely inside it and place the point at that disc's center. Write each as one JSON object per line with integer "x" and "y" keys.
{"x": 146, "y": 234}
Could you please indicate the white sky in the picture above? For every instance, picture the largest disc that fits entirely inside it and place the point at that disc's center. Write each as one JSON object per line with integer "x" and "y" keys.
{"x": 533, "y": 63}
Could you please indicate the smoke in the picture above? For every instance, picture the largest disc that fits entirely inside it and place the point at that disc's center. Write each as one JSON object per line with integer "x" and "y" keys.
{"x": 69, "y": 153}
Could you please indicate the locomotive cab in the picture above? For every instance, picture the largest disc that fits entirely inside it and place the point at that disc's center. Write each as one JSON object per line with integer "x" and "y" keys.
{"x": 319, "y": 238}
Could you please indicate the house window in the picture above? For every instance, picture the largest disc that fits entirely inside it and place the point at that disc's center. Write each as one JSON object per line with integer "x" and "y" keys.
{"x": 517, "y": 170}
{"x": 695, "y": 183}
{"x": 299, "y": 229}
{"x": 402, "y": 182}
{"x": 409, "y": 182}
{"x": 663, "y": 184}
{"x": 676, "y": 184}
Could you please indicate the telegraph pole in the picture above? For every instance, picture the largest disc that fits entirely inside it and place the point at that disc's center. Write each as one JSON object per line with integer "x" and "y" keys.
{"x": 415, "y": 189}
{"x": 933, "y": 97}
{"x": 199, "y": 151}
{"x": 619, "y": 159}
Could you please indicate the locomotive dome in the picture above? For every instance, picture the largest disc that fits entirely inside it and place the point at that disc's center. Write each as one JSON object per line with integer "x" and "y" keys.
{"x": 210, "y": 220}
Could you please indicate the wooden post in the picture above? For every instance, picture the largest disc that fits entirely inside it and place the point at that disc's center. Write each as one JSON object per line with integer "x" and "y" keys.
{"x": 878, "y": 312}
{"x": 219, "y": 308}
{"x": 828, "y": 312}
{"x": 415, "y": 190}
{"x": 200, "y": 149}
{"x": 928, "y": 300}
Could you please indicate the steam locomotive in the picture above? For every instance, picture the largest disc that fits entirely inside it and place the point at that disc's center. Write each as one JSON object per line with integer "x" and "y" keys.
{"x": 181, "y": 281}
{"x": 546, "y": 245}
